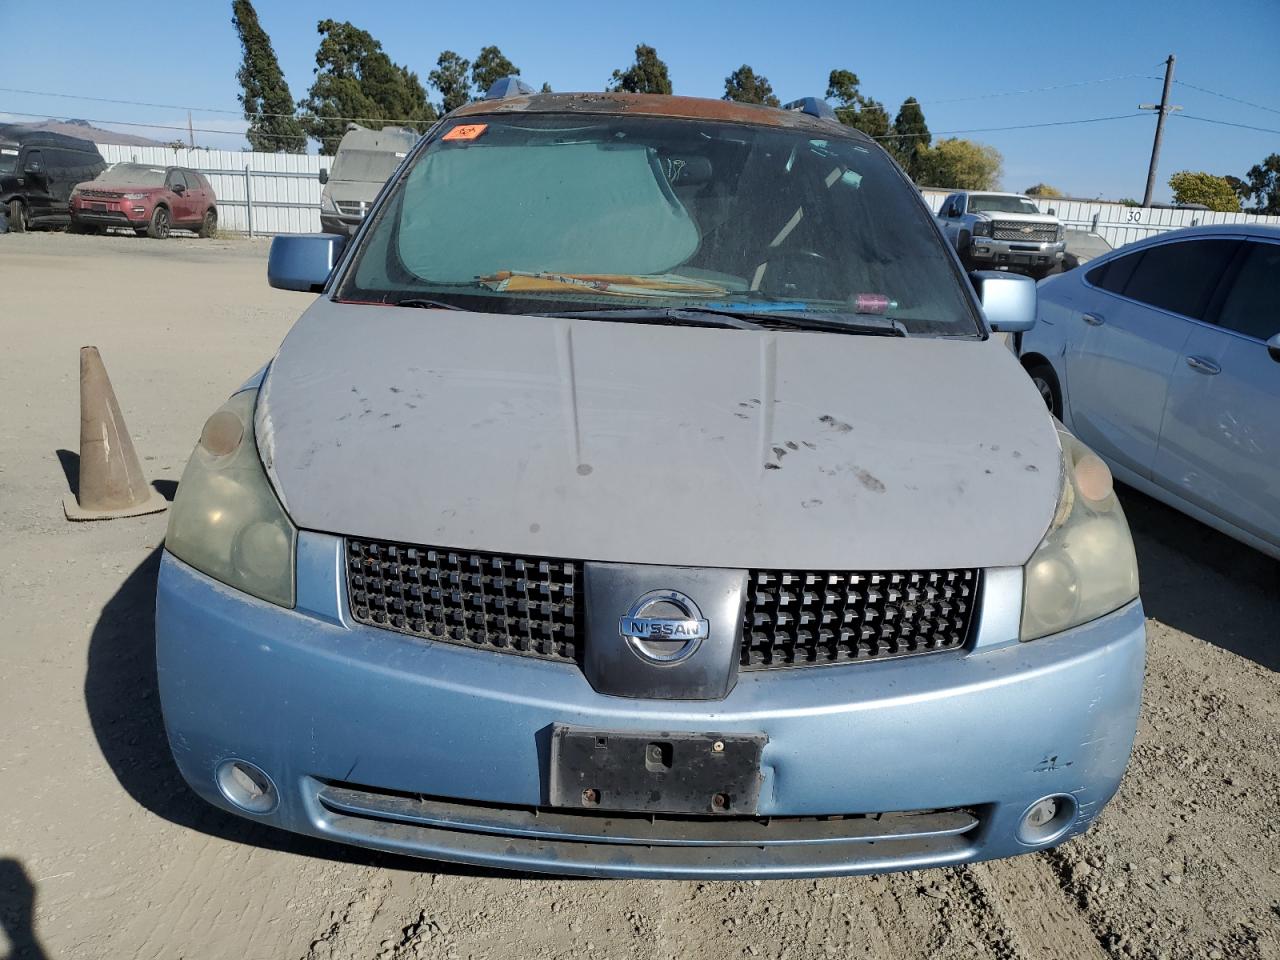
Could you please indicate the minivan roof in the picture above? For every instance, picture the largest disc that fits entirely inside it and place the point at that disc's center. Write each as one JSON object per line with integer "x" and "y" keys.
{"x": 655, "y": 105}
{"x": 17, "y": 135}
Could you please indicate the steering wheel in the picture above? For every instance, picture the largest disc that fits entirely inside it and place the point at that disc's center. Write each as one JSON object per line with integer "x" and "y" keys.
{"x": 799, "y": 272}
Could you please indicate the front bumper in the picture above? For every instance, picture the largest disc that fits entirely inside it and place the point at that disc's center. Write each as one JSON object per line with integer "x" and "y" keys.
{"x": 356, "y": 726}
{"x": 125, "y": 214}
{"x": 1015, "y": 253}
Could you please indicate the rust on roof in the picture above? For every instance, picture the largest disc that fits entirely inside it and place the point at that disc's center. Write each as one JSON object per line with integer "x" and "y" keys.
{"x": 655, "y": 105}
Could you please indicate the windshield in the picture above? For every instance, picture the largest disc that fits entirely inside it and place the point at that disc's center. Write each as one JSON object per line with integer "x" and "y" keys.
{"x": 546, "y": 213}
{"x": 368, "y": 166}
{"x": 133, "y": 174}
{"x": 979, "y": 203}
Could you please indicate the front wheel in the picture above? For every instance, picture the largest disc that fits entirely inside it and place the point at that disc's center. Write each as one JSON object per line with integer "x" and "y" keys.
{"x": 209, "y": 225}
{"x": 17, "y": 216}
{"x": 158, "y": 228}
{"x": 1046, "y": 382}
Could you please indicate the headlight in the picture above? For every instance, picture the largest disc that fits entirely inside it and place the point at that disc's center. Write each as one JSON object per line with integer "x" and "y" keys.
{"x": 226, "y": 521}
{"x": 135, "y": 196}
{"x": 1062, "y": 231}
{"x": 982, "y": 228}
{"x": 1085, "y": 565}
{"x": 326, "y": 203}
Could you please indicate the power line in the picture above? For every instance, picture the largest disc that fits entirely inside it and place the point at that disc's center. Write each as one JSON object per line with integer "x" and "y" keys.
{"x": 1056, "y": 86}
{"x": 181, "y": 129}
{"x": 181, "y": 106}
{"x": 1017, "y": 126}
{"x": 1224, "y": 96}
{"x": 130, "y": 103}
{"x": 1225, "y": 123}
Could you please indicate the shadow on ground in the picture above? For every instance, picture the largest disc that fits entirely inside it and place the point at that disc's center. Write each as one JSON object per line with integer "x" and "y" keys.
{"x": 1204, "y": 583}
{"x": 124, "y": 710}
{"x": 17, "y": 909}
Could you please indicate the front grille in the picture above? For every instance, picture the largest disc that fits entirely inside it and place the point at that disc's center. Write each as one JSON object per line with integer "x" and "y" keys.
{"x": 352, "y": 208}
{"x": 101, "y": 194}
{"x": 797, "y": 618}
{"x": 1012, "y": 230}
{"x": 522, "y": 605}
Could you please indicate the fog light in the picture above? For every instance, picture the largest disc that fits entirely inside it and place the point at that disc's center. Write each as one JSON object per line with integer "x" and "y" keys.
{"x": 1047, "y": 819}
{"x": 247, "y": 786}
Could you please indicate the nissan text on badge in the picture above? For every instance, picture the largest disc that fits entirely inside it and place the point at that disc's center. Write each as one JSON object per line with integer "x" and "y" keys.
{"x": 646, "y": 493}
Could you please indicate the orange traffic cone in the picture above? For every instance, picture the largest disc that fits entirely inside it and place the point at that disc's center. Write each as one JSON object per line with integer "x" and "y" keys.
{"x": 111, "y": 481}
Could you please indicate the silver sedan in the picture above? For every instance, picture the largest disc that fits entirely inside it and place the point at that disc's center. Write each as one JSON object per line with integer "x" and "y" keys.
{"x": 1164, "y": 357}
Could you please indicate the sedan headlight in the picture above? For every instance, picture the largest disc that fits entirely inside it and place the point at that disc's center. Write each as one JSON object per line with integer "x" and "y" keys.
{"x": 135, "y": 196}
{"x": 1085, "y": 565}
{"x": 982, "y": 228}
{"x": 226, "y": 521}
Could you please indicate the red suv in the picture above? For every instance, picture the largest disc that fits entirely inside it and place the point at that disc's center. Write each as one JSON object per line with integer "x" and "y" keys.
{"x": 146, "y": 199}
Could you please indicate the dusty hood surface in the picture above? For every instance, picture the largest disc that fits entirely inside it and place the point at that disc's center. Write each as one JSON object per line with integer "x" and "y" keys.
{"x": 596, "y": 440}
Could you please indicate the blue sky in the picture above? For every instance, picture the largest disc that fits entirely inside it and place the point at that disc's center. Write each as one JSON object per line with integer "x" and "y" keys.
{"x": 945, "y": 54}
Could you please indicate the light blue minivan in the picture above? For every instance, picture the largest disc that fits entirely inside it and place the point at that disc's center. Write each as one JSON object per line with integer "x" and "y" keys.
{"x": 646, "y": 494}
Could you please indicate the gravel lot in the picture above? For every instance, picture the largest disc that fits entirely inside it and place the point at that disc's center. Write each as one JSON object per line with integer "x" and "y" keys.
{"x": 105, "y": 854}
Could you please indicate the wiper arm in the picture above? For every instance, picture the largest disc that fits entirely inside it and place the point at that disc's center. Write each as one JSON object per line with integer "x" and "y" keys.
{"x": 706, "y": 316}
{"x": 673, "y": 316}
{"x": 425, "y": 304}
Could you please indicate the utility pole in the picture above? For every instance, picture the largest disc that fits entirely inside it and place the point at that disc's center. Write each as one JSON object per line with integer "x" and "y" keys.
{"x": 191, "y": 134}
{"x": 1164, "y": 110}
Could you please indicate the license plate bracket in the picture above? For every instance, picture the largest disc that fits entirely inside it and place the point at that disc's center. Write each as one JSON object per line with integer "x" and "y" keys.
{"x": 690, "y": 773}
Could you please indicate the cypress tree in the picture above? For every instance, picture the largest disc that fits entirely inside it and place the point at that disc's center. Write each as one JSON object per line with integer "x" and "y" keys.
{"x": 268, "y": 104}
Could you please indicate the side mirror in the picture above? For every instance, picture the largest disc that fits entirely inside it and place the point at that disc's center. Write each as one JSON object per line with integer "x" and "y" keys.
{"x": 303, "y": 261}
{"x": 324, "y": 176}
{"x": 179, "y": 189}
{"x": 1053, "y": 212}
{"x": 1008, "y": 300}
{"x": 34, "y": 168}
{"x": 1273, "y": 348}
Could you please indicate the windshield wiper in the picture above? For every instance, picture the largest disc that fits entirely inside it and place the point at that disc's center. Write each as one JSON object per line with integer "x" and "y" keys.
{"x": 425, "y": 304}
{"x": 867, "y": 324}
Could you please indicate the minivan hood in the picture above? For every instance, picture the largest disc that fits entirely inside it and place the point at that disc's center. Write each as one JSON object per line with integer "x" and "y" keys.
{"x": 596, "y": 440}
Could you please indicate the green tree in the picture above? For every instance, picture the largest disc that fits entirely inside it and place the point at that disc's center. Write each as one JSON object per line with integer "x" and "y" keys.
{"x": 1043, "y": 190}
{"x": 356, "y": 81}
{"x": 744, "y": 85}
{"x": 546, "y": 87}
{"x": 489, "y": 67}
{"x": 268, "y": 104}
{"x": 855, "y": 110}
{"x": 911, "y": 136}
{"x": 450, "y": 78}
{"x": 1204, "y": 188}
{"x": 960, "y": 165}
{"x": 647, "y": 75}
{"x": 1263, "y": 181}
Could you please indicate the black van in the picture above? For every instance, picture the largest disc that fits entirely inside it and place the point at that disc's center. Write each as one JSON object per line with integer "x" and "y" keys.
{"x": 38, "y": 171}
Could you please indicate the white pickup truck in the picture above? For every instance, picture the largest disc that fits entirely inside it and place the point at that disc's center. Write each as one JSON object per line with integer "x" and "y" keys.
{"x": 991, "y": 230}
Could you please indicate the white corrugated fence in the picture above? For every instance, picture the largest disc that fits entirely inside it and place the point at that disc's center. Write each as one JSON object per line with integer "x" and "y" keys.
{"x": 260, "y": 193}
{"x": 1116, "y": 223}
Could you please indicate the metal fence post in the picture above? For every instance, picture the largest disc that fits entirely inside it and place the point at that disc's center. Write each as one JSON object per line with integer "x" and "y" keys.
{"x": 248, "y": 197}
{"x": 1094, "y": 228}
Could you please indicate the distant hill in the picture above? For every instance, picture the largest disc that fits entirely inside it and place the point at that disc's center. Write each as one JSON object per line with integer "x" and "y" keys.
{"x": 82, "y": 128}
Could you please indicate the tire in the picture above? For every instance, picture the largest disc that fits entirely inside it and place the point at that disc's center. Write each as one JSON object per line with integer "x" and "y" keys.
{"x": 160, "y": 225}
{"x": 17, "y": 217}
{"x": 1046, "y": 382}
{"x": 139, "y": 231}
{"x": 209, "y": 225}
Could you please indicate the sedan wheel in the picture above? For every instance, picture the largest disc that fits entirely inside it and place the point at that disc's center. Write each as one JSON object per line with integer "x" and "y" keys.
{"x": 1046, "y": 383}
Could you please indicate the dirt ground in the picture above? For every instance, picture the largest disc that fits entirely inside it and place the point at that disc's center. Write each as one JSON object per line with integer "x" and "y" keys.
{"x": 104, "y": 853}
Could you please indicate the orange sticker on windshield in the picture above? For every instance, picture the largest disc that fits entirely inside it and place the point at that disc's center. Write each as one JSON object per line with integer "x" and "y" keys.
{"x": 466, "y": 131}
